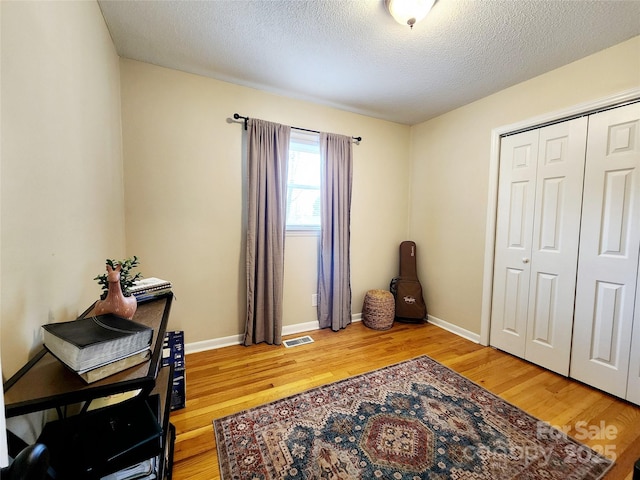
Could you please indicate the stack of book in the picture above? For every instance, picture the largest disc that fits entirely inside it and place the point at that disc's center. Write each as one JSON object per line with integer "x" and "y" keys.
{"x": 151, "y": 287}
{"x": 173, "y": 354}
{"x": 146, "y": 470}
{"x": 141, "y": 471}
{"x": 98, "y": 346}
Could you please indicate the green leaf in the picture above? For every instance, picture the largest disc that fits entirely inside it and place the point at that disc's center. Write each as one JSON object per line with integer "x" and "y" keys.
{"x": 127, "y": 279}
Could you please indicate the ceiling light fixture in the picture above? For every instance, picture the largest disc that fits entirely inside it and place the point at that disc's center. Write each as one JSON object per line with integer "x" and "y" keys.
{"x": 409, "y": 12}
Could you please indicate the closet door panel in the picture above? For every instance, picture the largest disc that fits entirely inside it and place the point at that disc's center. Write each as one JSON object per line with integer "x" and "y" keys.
{"x": 554, "y": 254}
{"x": 514, "y": 229}
{"x": 609, "y": 247}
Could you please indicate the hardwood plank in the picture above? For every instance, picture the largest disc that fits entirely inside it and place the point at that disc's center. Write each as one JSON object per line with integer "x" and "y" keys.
{"x": 227, "y": 380}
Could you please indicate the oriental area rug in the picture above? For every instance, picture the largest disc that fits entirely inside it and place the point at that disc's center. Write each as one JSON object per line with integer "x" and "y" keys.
{"x": 414, "y": 420}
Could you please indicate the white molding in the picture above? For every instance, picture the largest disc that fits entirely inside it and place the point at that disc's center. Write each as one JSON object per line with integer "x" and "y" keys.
{"x": 450, "y": 327}
{"x": 490, "y": 239}
{"x": 492, "y": 202}
{"x": 238, "y": 339}
{"x": 300, "y": 327}
{"x": 310, "y": 326}
{"x": 213, "y": 344}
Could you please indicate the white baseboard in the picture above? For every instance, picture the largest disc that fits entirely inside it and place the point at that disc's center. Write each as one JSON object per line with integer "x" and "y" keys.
{"x": 300, "y": 327}
{"x": 310, "y": 326}
{"x": 213, "y": 344}
{"x": 461, "y": 332}
{"x": 238, "y": 339}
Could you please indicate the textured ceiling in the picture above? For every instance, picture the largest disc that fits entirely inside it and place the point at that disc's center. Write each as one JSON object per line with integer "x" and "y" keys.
{"x": 352, "y": 55}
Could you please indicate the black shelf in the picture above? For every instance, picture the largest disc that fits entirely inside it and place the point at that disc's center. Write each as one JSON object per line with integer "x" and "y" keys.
{"x": 45, "y": 383}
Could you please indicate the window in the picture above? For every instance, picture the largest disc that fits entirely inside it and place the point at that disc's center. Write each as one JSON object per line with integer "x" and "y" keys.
{"x": 303, "y": 182}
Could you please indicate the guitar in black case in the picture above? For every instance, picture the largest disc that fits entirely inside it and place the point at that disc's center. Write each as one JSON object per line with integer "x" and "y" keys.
{"x": 406, "y": 288}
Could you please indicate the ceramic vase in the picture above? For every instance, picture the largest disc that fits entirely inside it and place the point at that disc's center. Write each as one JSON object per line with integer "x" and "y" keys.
{"x": 115, "y": 302}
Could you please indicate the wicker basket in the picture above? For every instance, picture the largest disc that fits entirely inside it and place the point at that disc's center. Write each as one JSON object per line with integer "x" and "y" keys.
{"x": 378, "y": 310}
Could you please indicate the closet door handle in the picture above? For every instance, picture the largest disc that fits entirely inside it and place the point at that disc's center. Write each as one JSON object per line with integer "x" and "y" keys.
{"x": 525, "y": 260}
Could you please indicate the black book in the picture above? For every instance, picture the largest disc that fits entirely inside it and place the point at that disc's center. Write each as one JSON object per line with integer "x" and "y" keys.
{"x": 89, "y": 342}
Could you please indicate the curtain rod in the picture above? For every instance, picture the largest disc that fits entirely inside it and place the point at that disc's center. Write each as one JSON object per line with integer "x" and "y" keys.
{"x": 246, "y": 119}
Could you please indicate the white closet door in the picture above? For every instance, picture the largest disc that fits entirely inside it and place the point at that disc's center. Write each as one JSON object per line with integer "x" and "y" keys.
{"x": 514, "y": 229}
{"x": 609, "y": 245}
{"x": 633, "y": 382}
{"x": 554, "y": 253}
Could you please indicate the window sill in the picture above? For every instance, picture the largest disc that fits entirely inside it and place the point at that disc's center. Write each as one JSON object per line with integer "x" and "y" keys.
{"x": 315, "y": 232}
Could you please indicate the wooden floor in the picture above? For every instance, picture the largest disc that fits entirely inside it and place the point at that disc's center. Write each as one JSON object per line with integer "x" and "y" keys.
{"x": 230, "y": 379}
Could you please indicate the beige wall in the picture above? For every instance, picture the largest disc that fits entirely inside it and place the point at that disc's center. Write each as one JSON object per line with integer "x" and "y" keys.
{"x": 450, "y": 173}
{"x": 184, "y": 195}
{"x": 61, "y": 174}
{"x": 63, "y": 195}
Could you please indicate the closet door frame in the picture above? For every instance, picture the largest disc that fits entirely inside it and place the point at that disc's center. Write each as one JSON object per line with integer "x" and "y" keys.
{"x": 494, "y": 164}
{"x": 633, "y": 379}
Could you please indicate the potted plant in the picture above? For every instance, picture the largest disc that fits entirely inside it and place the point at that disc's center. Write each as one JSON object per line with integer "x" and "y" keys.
{"x": 116, "y": 296}
{"x": 127, "y": 279}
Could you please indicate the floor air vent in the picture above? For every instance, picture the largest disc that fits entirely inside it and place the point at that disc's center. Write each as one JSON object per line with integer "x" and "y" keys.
{"x": 294, "y": 342}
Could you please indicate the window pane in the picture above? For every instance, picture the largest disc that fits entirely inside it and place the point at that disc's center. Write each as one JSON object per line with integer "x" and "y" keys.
{"x": 304, "y": 207}
{"x": 304, "y": 169}
{"x": 303, "y": 182}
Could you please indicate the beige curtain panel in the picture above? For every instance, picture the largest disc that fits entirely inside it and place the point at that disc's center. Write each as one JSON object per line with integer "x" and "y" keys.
{"x": 334, "y": 276}
{"x": 267, "y": 158}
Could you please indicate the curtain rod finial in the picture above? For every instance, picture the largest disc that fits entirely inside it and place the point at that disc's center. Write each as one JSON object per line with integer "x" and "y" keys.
{"x": 237, "y": 117}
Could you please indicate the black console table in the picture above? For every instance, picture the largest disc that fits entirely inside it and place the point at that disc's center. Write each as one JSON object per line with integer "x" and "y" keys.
{"x": 45, "y": 383}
